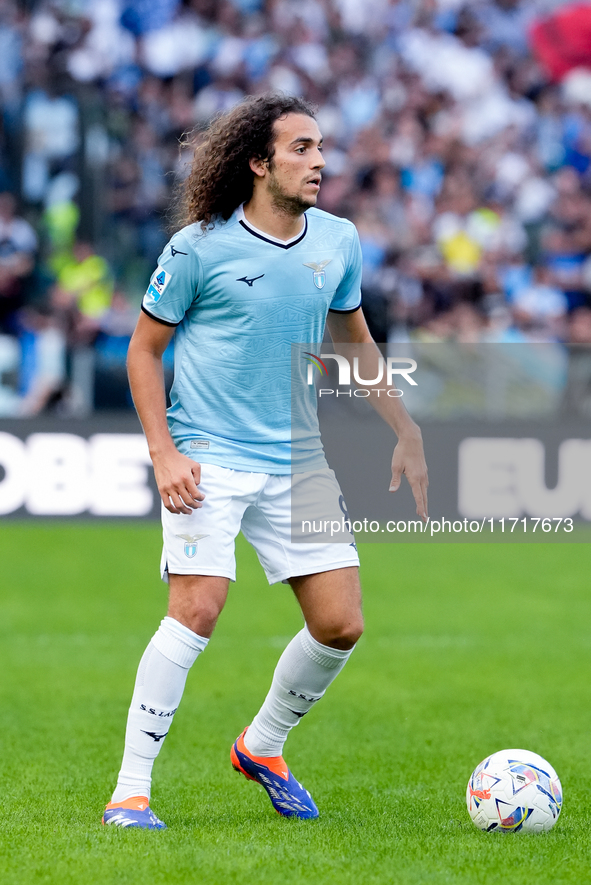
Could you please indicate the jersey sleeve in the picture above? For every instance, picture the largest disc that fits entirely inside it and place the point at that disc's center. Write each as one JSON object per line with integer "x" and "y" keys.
{"x": 347, "y": 298}
{"x": 175, "y": 284}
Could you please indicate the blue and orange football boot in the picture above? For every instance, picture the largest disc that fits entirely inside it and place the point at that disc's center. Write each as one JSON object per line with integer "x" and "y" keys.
{"x": 134, "y": 812}
{"x": 288, "y": 796}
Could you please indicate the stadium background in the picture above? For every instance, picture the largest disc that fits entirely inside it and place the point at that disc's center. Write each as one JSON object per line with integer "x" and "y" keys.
{"x": 458, "y": 139}
{"x": 454, "y": 141}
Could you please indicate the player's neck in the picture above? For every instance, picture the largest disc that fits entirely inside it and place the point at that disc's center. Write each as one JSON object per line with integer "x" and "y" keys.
{"x": 263, "y": 215}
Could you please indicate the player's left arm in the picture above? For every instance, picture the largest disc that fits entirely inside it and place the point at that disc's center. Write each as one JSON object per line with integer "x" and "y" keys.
{"x": 408, "y": 458}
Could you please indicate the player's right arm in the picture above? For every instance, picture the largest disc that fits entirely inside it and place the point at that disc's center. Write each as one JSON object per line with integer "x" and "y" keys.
{"x": 177, "y": 476}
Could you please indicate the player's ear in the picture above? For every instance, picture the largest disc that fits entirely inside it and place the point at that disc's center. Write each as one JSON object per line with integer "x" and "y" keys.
{"x": 259, "y": 166}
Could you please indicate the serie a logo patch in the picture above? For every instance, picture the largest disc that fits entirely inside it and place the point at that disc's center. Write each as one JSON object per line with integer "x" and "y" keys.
{"x": 158, "y": 283}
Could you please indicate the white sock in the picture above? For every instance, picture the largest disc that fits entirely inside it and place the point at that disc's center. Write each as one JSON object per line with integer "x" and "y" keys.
{"x": 159, "y": 686}
{"x": 304, "y": 671}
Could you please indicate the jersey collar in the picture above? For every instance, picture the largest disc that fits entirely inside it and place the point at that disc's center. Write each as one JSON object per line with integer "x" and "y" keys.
{"x": 283, "y": 244}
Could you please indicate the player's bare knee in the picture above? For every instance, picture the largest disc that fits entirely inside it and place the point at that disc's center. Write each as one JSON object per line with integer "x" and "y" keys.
{"x": 341, "y": 635}
{"x": 200, "y": 616}
{"x": 206, "y": 619}
{"x": 351, "y": 634}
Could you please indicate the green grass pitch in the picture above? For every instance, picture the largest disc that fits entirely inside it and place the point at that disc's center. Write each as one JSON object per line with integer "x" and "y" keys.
{"x": 468, "y": 649}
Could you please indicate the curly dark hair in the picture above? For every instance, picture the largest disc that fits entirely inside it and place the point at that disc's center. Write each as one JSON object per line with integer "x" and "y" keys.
{"x": 221, "y": 178}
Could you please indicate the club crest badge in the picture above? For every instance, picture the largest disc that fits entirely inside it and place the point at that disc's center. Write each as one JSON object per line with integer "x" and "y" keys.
{"x": 319, "y": 274}
{"x": 191, "y": 543}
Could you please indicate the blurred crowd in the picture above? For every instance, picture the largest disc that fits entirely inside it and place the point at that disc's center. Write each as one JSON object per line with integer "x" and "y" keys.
{"x": 457, "y": 138}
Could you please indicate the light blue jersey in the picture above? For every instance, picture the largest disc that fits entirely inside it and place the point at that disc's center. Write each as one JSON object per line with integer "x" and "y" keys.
{"x": 239, "y": 299}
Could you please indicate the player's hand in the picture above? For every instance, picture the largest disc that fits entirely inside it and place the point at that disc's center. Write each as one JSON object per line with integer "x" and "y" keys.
{"x": 177, "y": 478}
{"x": 409, "y": 458}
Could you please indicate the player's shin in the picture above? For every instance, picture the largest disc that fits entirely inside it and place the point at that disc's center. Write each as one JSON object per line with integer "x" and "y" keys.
{"x": 158, "y": 690}
{"x": 304, "y": 671}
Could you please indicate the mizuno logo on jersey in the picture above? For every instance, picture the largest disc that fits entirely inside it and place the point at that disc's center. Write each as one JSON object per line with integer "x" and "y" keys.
{"x": 174, "y": 251}
{"x": 319, "y": 274}
{"x": 251, "y": 281}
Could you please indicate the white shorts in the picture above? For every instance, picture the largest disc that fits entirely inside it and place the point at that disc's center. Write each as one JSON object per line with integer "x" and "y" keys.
{"x": 202, "y": 542}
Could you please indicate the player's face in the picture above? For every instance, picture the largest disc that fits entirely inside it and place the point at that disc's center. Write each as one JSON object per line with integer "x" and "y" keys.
{"x": 294, "y": 174}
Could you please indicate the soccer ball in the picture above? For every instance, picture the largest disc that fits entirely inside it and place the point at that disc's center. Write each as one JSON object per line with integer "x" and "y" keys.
{"x": 514, "y": 790}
